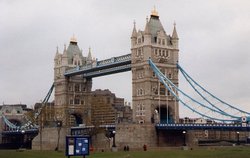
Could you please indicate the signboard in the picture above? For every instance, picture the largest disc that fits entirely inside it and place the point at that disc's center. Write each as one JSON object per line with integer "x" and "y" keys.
{"x": 77, "y": 145}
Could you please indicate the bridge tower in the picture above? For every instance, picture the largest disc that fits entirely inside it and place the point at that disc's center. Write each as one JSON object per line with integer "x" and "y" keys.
{"x": 71, "y": 93}
{"x": 152, "y": 103}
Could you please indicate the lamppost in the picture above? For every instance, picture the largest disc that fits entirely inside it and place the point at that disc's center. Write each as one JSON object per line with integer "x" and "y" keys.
{"x": 113, "y": 134}
{"x": 59, "y": 126}
{"x": 184, "y": 138}
{"x": 23, "y": 138}
{"x": 238, "y": 137}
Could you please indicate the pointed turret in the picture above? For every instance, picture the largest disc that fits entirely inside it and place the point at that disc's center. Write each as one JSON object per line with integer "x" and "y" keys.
{"x": 134, "y": 33}
{"x": 57, "y": 53}
{"x": 174, "y": 34}
{"x": 175, "y": 38}
{"x": 64, "y": 50}
{"x": 89, "y": 58}
{"x": 147, "y": 33}
{"x": 147, "y": 30}
{"x": 65, "y": 56}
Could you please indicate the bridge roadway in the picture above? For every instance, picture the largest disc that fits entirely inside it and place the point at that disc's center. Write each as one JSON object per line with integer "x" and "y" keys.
{"x": 179, "y": 127}
{"x": 16, "y": 132}
{"x": 103, "y": 67}
{"x": 194, "y": 126}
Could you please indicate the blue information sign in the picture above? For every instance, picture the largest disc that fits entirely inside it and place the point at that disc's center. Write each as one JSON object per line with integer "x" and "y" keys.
{"x": 77, "y": 145}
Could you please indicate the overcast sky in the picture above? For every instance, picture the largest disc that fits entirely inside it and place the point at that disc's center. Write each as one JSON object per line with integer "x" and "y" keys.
{"x": 214, "y": 43}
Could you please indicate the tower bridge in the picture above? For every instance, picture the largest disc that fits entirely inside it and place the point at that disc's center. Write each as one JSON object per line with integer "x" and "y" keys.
{"x": 153, "y": 62}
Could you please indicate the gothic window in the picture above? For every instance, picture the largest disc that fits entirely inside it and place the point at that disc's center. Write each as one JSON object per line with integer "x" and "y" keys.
{"x": 83, "y": 89}
{"x": 77, "y": 88}
{"x": 77, "y": 101}
{"x": 140, "y": 75}
{"x": 139, "y": 40}
{"x": 139, "y": 52}
{"x": 159, "y": 41}
{"x": 82, "y": 102}
{"x": 71, "y": 102}
{"x": 70, "y": 88}
{"x": 156, "y": 52}
{"x": 163, "y": 41}
{"x": 160, "y": 53}
{"x": 162, "y": 89}
{"x": 155, "y": 39}
{"x": 140, "y": 109}
{"x": 141, "y": 91}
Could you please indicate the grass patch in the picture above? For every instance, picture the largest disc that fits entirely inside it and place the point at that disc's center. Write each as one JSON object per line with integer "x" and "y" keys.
{"x": 219, "y": 152}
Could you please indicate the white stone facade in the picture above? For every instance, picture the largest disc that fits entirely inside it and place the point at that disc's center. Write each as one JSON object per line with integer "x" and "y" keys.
{"x": 154, "y": 43}
{"x": 71, "y": 94}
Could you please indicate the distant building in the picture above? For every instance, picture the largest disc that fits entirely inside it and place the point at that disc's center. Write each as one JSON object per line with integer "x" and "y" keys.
{"x": 107, "y": 109}
{"x": 14, "y": 109}
{"x": 196, "y": 120}
{"x": 16, "y": 114}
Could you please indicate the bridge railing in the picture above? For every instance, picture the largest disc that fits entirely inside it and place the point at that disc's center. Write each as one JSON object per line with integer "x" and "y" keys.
{"x": 112, "y": 60}
{"x": 183, "y": 126}
{"x": 100, "y": 64}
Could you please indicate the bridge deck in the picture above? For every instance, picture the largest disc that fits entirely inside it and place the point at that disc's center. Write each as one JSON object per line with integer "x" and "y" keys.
{"x": 103, "y": 67}
{"x": 226, "y": 127}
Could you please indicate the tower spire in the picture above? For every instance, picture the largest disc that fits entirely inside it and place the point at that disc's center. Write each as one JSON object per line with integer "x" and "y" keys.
{"x": 174, "y": 34}
{"x": 57, "y": 51}
{"x": 89, "y": 54}
{"x": 134, "y": 33}
{"x": 147, "y": 30}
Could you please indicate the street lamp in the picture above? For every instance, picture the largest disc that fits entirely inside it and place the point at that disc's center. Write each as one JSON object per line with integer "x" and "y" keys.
{"x": 184, "y": 138}
{"x": 238, "y": 138}
{"x": 59, "y": 126}
{"x": 113, "y": 134}
{"x": 22, "y": 139}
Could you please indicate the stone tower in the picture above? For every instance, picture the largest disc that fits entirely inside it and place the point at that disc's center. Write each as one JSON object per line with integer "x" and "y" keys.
{"x": 71, "y": 94}
{"x": 152, "y": 103}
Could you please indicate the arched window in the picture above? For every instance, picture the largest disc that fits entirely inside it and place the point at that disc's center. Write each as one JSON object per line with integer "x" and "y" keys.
{"x": 155, "y": 39}
{"x": 163, "y": 41}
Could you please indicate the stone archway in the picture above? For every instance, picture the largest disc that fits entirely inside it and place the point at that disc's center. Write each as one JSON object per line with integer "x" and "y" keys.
{"x": 165, "y": 114}
{"x": 75, "y": 119}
